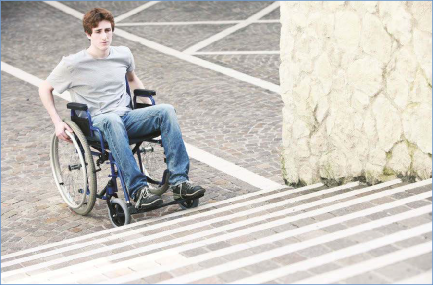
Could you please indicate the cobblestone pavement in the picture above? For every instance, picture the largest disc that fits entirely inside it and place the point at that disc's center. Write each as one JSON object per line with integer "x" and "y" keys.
{"x": 212, "y": 109}
{"x": 224, "y": 116}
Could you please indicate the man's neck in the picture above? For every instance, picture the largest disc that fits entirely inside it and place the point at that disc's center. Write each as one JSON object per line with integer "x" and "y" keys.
{"x": 97, "y": 53}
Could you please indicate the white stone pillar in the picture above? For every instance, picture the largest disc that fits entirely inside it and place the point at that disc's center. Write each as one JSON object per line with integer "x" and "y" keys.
{"x": 356, "y": 81}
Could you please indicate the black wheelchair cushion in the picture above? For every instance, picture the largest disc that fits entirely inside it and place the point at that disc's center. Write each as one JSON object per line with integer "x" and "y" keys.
{"x": 95, "y": 142}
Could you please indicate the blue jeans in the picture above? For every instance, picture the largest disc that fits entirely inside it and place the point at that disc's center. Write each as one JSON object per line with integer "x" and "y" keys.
{"x": 138, "y": 123}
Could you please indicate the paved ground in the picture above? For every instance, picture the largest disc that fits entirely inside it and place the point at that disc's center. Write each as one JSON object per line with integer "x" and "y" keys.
{"x": 234, "y": 120}
{"x": 227, "y": 117}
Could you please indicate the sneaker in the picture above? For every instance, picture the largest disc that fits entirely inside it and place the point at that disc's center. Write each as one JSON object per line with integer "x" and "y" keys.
{"x": 187, "y": 190}
{"x": 145, "y": 199}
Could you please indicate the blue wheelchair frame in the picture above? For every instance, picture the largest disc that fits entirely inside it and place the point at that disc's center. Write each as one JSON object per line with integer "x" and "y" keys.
{"x": 111, "y": 189}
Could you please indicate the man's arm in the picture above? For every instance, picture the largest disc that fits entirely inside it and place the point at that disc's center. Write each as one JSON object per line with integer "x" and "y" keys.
{"x": 46, "y": 95}
{"x": 135, "y": 83}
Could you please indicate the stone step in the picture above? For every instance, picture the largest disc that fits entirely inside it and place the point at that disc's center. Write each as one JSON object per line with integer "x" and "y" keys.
{"x": 246, "y": 239}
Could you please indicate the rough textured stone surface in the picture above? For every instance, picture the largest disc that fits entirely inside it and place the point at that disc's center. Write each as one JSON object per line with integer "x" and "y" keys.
{"x": 356, "y": 85}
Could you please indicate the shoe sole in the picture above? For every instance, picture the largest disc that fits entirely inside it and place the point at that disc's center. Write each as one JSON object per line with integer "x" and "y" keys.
{"x": 158, "y": 201}
{"x": 190, "y": 196}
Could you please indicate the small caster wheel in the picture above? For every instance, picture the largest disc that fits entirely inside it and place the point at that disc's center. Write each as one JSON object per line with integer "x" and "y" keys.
{"x": 189, "y": 204}
{"x": 118, "y": 213}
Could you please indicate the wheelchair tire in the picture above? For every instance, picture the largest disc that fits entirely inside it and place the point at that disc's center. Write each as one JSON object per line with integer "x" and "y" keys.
{"x": 189, "y": 204}
{"x": 120, "y": 215}
{"x": 61, "y": 154}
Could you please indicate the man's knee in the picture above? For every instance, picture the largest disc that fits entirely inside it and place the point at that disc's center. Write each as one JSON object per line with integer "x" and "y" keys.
{"x": 109, "y": 120}
{"x": 167, "y": 109}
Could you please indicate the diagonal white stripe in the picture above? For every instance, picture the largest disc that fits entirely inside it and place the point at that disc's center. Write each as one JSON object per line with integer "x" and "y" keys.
{"x": 424, "y": 278}
{"x": 183, "y": 56}
{"x": 227, "y": 227}
{"x": 346, "y": 252}
{"x": 368, "y": 265}
{"x": 226, "y": 22}
{"x": 27, "y": 77}
{"x": 135, "y": 11}
{"x": 233, "y": 29}
{"x": 231, "y": 169}
{"x": 233, "y": 249}
{"x": 236, "y": 52}
{"x": 179, "y": 23}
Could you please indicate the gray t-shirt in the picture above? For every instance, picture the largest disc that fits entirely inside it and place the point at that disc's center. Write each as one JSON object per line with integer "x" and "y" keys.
{"x": 99, "y": 83}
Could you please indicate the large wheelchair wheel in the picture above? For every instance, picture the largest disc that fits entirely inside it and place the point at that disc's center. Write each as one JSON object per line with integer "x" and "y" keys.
{"x": 154, "y": 167}
{"x": 118, "y": 213}
{"x": 74, "y": 170}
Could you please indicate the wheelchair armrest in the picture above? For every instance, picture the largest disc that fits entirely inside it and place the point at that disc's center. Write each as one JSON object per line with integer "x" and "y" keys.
{"x": 77, "y": 106}
{"x": 143, "y": 93}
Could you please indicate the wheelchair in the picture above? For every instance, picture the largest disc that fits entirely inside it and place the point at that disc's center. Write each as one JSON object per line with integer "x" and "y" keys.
{"x": 76, "y": 167}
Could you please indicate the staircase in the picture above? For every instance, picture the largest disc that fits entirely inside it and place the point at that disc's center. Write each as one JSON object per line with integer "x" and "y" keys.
{"x": 314, "y": 234}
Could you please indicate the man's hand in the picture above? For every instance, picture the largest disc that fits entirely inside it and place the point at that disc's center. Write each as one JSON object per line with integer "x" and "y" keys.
{"x": 60, "y": 131}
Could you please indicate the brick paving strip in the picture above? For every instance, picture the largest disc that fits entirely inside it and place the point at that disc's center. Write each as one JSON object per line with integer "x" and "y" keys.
{"x": 241, "y": 234}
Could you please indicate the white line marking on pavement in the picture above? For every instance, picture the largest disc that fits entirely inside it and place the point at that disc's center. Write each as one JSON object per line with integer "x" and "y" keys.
{"x": 179, "y": 23}
{"x": 346, "y": 252}
{"x": 231, "y": 168}
{"x": 424, "y": 278}
{"x": 233, "y": 29}
{"x": 135, "y": 11}
{"x": 312, "y": 262}
{"x": 277, "y": 21}
{"x": 27, "y": 77}
{"x": 183, "y": 56}
{"x": 259, "y": 52}
{"x": 281, "y": 213}
{"x": 227, "y": 22}
{"x": 368, "y": 265}
{"x": 100, "y": 267}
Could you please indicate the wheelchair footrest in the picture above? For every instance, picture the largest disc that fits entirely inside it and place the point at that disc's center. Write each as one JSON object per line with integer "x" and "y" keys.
{"x": 133, "y": 210}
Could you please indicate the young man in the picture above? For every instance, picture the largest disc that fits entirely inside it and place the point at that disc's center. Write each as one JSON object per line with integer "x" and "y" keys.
{"x": 96, "y": 77}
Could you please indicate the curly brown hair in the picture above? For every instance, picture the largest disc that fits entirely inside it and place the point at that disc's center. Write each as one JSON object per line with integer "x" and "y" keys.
{"x": 92, "y": 18}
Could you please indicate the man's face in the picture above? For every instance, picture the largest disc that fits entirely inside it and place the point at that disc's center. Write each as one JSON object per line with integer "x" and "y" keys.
{"x": 101, "y": 36}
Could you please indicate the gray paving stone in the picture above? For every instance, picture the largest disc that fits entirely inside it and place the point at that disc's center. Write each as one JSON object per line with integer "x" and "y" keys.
{"x": 114, "y": 7}
{"x": 347, "y": 261}
{"x": 416, "y": 221}
{"x": 262, "y": 266}
{"x": 324, "y": 268}
{"x": 418, "y": 204}
{"x": 156, "y": 278}
{"x": 194, "y": 252}
{"x": 314, "y": 251}
{"x": 217, "y": 246}
{"x": 297, "y": 276}
{"x": 233, "y": 275}
{"x": 398, "y": 271}
{"x": 368, "y": 278}
{"x": 422, "y": 262}
{"x": 383, "y": 250}
{"x": 340, "y": 243}
{"x": 212, "y": 262}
